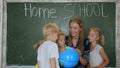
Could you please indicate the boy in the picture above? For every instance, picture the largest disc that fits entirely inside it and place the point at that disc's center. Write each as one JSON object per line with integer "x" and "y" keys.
{"x": 48, "y": 51}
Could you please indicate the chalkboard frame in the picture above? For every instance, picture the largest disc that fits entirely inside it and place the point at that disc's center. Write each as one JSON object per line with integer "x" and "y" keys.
{"x": 115, "y": 32}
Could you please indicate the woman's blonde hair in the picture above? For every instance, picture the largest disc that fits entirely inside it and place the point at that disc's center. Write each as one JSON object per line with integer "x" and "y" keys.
{"x": 98, "y": 33}
{"x": 81, "y": 35}
{"x": 47, "y": 29}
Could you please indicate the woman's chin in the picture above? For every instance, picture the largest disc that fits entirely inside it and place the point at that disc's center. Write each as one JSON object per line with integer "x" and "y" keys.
{"x": 73, "y": 35}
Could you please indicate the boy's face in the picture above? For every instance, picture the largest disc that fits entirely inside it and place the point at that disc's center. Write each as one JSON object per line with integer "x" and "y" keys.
{"x": 55, "y": 36}
{"x": 61, "y": 41}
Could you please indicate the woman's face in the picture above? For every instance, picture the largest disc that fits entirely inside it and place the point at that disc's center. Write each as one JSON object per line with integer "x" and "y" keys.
{"x": 74, "y": 29}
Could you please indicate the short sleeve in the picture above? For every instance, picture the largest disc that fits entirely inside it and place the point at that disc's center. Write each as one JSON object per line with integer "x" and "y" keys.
{"x": 53, "y": 51}
{"x": 38, "y": 54}
{"x": 98, "y": 48}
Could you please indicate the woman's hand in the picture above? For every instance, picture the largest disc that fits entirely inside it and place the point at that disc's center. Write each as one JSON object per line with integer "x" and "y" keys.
{"x": 82, "y": 60}
{"x": 74, "y": 42}
{"x": 78, "y": 51}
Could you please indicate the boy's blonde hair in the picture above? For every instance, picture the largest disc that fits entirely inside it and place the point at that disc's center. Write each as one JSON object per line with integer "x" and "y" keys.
{"x": 49, "y": 28}
{"x": 98, "y": 34}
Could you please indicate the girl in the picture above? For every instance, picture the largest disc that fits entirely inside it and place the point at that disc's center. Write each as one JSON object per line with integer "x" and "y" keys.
{"x": 98, "y": 57}
{"x": 48, "y": 50}
{"x": 75, "y": 39}
{"x": 61, "y": 41}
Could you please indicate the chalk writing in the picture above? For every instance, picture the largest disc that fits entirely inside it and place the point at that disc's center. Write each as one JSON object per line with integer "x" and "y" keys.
{"x": 33, "y": 11}
{"x": 85, "y": 10}
{"x": 80, "y": 10}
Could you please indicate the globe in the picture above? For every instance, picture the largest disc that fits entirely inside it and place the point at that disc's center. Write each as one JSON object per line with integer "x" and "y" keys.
{"x": 69, "y": 58}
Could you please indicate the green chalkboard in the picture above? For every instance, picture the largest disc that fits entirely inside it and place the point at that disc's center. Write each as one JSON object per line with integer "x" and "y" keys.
{"x": 26, "y": 20}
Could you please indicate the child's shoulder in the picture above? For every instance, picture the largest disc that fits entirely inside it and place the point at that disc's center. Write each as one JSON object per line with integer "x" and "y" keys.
{"x": 99, "y": 46}
{"x": 48, "y": 42}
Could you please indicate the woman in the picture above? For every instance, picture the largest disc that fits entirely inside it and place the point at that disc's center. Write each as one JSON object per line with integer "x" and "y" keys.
{"x": 76, "y": 39}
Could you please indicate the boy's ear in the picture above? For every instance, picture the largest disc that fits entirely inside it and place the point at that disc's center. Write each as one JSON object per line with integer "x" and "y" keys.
{"x": 52, "y": 33}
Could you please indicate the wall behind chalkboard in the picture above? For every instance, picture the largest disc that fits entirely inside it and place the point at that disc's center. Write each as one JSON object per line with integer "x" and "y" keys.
{"x": 26, "y": 20}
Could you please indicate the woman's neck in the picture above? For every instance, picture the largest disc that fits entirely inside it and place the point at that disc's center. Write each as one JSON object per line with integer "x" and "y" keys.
{"x": 75, "y": 37}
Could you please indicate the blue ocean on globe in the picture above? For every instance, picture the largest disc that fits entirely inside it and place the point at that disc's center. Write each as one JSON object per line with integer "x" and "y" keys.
{"x": 69, "y": 58}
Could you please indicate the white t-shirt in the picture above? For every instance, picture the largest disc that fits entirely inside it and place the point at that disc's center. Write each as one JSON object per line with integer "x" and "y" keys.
{"x": 46, "y": 51}
{"x": 95, "y": 57}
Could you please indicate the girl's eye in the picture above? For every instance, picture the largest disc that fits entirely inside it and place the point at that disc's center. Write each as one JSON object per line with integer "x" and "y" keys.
{"x": 92, "y": 35}
{"x": 75, "y": 28}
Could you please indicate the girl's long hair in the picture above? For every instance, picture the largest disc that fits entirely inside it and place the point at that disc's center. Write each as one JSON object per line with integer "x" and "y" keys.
{"x": 36, "y": 46}
{"x": 98, "y": 33}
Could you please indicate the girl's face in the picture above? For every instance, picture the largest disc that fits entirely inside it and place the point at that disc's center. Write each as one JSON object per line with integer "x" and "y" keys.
{"x": 74, "y": 29}
{"x": 61, "y": 41}
{"x": 92, "y": 36}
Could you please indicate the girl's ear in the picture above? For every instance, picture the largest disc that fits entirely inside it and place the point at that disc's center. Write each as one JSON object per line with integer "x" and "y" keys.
{"x": 97, "y": 38}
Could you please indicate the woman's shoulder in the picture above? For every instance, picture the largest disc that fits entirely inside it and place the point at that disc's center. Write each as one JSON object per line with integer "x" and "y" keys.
{"x": 66, "y": 39}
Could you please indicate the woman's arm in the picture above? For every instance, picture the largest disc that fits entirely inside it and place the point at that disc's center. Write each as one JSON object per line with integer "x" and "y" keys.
{"x": 105, "y": 58}
{"x": 53, "y": 62}
{"x": 82, "y": 60}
